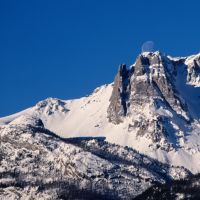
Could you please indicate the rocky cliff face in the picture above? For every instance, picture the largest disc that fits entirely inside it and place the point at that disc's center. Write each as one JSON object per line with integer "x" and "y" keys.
{"x": 147, "y": 94}
{"x": 120, "y": 95}
{"x": 193, "y": 69}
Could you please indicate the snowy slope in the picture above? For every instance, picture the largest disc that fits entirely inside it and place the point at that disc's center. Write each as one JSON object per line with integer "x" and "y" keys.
{"x": 163, "y": 124}
{"x": 37, "y": 164}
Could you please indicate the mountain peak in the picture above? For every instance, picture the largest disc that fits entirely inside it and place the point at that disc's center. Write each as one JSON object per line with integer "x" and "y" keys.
{"x": 150, "y": 85}
{"x": 150, "y": 53}
{"x": 152, "y": 106}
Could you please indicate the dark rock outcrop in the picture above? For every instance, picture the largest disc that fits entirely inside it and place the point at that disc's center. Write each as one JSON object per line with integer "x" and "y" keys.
{"x": 120, "y": 95}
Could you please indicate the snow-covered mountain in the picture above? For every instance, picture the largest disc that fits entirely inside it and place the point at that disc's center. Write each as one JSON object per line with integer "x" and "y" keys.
{"x": 37, "y": 164}
{"x": 152, "y": 106}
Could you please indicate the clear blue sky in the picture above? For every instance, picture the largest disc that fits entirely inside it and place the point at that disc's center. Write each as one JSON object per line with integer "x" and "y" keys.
{"x": 66, "y": 48}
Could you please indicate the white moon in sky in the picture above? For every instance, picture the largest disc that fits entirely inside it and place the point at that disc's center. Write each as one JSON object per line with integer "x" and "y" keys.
{"x": 148, "y": 46}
